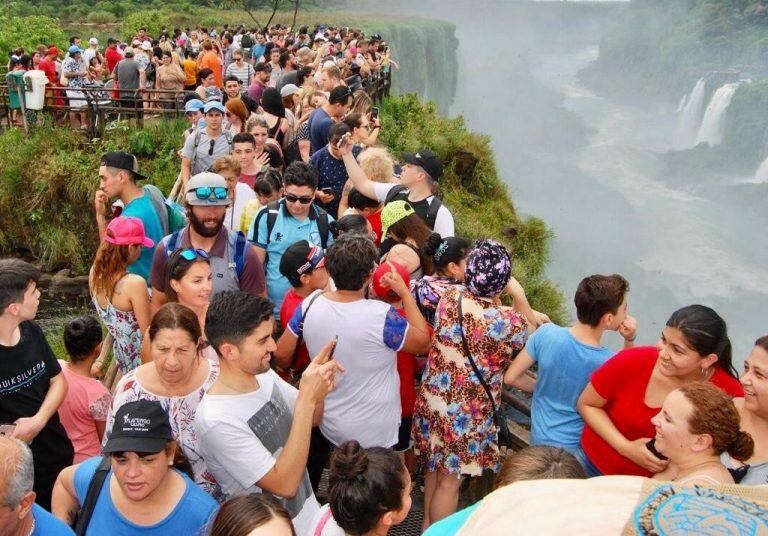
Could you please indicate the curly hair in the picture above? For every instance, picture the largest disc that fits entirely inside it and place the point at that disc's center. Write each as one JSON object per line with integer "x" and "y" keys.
{"x": 109, "y": 266}
{"x": 377, "y": 164}
{"x": 715, "y": 414}
{"x": 351, "y": 260}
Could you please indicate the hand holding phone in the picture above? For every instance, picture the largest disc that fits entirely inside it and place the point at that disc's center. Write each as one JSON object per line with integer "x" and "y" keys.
{"x": 374, "y": 113}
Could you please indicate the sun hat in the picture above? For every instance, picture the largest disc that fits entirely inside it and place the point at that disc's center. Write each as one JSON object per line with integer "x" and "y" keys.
{"x": 489, "y": 268}
{"x": 127, "y": 231}
{"x": 214, "y": 183}
{"x": 394, "y": 212}
{"x": 140, "y": 426}
{"x": 74, "y": 49}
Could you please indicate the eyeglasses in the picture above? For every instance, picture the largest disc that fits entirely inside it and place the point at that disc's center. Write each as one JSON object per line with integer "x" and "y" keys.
{"x": 205, "y": 192}
{"x": 304, "y": 200}
{"x": 192, "y": 254}
{"x": 210, "y": 149}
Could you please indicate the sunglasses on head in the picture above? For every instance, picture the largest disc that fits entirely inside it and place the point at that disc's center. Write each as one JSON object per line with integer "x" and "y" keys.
{"x": 192, "y": 254}
{"x": 304, "y": 200}
{"x": 205, "y": 192}
{"x": 210, "y": 149}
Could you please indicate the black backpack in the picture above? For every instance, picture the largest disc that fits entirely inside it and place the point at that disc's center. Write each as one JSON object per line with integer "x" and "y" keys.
{"x": 273, "y": 209}
{"x": 400, "y": 192}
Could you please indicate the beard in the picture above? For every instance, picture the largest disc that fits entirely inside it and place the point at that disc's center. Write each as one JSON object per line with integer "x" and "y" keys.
{"x": 200, "y": 228}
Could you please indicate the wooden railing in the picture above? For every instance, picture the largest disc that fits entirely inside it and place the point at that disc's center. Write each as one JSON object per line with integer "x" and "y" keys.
{"x": 105, "y": 104}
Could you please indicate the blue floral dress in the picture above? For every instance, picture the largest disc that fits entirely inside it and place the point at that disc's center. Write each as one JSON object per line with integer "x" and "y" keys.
{"x": 453, "y": 428}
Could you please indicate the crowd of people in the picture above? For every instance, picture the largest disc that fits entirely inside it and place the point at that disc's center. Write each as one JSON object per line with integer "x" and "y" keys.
{"x": 307, "y": 310}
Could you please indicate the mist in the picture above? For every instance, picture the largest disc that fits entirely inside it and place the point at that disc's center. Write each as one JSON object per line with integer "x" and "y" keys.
{"x": 607, "y": 173}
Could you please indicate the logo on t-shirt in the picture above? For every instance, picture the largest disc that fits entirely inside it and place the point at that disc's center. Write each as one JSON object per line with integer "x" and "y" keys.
{"x": 19, "y": 381}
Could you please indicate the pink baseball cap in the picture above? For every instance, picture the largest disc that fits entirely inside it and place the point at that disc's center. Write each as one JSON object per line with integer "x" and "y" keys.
{"x": 126, "y": 231}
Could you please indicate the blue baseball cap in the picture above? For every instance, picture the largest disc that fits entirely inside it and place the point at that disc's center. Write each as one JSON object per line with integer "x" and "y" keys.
{"x": 74, "y": 49}
{"x": 194, "y": 105}
{"x": 214, "y": 105}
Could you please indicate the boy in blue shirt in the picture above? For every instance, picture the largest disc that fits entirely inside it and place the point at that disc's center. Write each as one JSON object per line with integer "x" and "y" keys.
{"x": 567, "y": 357}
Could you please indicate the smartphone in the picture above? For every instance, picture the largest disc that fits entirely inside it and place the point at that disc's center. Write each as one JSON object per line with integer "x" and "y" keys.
{"x": 651, "y": 445}
{"x": 374, "y": 112}
{"x": 333, "y": 348}
{"x": 343, "y": 140}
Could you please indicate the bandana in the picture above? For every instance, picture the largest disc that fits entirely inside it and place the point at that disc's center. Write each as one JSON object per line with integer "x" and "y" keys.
{"x": 489, "y": 268}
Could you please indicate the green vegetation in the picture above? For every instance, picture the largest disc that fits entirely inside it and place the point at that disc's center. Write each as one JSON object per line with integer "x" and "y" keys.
{"x": 664, "y": 46}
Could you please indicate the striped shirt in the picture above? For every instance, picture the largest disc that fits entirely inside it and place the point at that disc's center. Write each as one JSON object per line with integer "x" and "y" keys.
{"x": 243, "y": 73}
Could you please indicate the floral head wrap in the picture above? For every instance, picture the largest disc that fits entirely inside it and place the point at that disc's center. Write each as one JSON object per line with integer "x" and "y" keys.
{"x": 489, "y": 268}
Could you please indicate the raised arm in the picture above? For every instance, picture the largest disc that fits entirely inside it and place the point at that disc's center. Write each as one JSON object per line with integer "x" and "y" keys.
{"x": 360, "y": 181}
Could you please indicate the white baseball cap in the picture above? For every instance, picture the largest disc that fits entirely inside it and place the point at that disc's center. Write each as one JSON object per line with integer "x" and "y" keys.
{"x": 93, "y": 41}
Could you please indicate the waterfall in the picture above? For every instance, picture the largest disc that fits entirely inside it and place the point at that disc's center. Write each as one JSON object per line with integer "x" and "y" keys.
{"x": 761, "y": 175}
{"x": 711, "y": 130}
{"x": 690, "y": 116}
{"x": 683, "y": 101}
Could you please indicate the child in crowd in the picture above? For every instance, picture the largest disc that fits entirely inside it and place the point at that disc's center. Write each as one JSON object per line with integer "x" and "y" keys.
{"x": 31, "y": 384}
{"x": 303, "y": 264}
{"x": 84, "y": 412}
{"x": 567, "y": 357}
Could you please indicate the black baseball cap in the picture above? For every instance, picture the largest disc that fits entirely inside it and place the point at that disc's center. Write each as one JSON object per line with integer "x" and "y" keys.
{"x": 122, "y": 160}
{"x": 140, "y": 426}
{"x": 301, "y": 258}
{"x": 340, "y": 95}
{"x": 427, "y": 160}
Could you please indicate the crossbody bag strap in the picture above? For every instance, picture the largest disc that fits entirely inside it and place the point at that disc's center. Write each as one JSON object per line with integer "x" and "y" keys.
{"x": 467, "y": 351}
{"x": 92, "y": 496}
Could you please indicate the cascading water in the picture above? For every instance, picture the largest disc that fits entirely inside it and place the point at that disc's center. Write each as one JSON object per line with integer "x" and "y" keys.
{"x": 690, "y": 116}
{"x": 711, "y": 130}
{"x": 761, "y": 175}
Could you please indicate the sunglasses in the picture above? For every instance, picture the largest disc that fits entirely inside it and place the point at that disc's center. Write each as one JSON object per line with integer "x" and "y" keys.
{"x": 303, "y": 200}
{"x": 315, "y": 259}
{"x": 205, "y": 192}
{"x": 210, "y": 149}
{"x": 192, "y": 254}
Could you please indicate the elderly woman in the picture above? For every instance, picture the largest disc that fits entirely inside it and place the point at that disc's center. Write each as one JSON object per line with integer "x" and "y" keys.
{"x": 453, "y": 424}
{"x": 697, "y": 423}
{"x": 753, "y": 409}
{"x": 177, "y": 377}
{"x": 142, "y": 492}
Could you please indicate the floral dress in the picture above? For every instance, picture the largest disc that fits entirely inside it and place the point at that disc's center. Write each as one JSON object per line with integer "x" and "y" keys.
{"x": 124, "y": 327}
{"x": 181, "y": 414}
{"x": 427, "y": 292}
{"x": 453, "y": 428}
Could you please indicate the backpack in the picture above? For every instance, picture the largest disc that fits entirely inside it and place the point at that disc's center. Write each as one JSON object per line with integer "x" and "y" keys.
{"x": 273, "y": 209}
{"x": 246, "y": 41}
{"x": 239, "y": 247}
{"x": 172, "y": 218}
{"x": 400, "y": 192}
{"x": 198, "y": 135}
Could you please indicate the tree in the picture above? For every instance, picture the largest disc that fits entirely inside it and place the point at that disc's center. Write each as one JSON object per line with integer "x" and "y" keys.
{"x": 251, "y": 6}
{"x": 27, "y": 32}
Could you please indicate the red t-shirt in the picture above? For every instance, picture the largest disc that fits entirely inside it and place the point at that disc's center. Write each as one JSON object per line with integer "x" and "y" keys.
{"x": 290, "y": 303}
{"x": 375, "y": 221}
{"x": 250, "y": 180}
{"x": 49, "y": 68}
{"x": 112, "y": 57}
{"x": 622, "y": 381}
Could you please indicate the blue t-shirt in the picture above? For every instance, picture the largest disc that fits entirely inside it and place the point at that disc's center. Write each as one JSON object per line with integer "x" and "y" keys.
{"x": 189, "y": 516}
{"x": 48, "y": 525}
{"x": 333, "y": 175}
{"x": 448, "y": 526}
{"x": 287, "y": 230}
{"x": 319, "y": 125}
{"x": 142, "y": 208}
{"x": 565, "y": 366}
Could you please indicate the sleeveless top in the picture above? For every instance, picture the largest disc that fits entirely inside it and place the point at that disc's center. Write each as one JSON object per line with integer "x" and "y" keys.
{"x": 416, "y": 274}
{"x": 124, "y": 327}
{"x": 277, "y": 134}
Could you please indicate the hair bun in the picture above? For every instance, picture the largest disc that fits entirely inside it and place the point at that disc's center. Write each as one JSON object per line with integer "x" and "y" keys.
{"x": 433, "y": 242}
{"x": 76, "y": 328}
{"x": 348, "y": 461}
{"x": 334, "y": 227}
{"x": 743, "y": 446}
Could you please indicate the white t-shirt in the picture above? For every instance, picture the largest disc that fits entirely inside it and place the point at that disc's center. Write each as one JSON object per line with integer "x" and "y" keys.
{"x": 365, "y": 405}
{"x": 243, "y": 194}
{"x": 444, "y": 225}
{"x": 241, "y": 437}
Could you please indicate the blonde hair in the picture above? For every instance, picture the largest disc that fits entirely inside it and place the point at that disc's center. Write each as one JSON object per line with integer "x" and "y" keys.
{"x": 377, "y": 164}
{"x": 538, "y": 463}
{"x": 226, "y": 162}
{"x": 256, "y": 121}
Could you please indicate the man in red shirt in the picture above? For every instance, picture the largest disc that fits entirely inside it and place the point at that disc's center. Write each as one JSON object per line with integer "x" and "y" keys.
{"x": 48, "y": 65}
{"x": 112, "y": 55}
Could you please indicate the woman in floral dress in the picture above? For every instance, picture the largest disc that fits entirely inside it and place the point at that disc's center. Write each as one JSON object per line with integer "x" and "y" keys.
{"x": 453, "y": 429}
{"x": 178, "y": 376}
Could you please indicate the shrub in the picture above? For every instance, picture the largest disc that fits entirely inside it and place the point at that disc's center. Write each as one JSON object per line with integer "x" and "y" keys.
{"x": 101, "y": 17}
{"x": 152, "y": 20}
{"x": 27, "y": 32}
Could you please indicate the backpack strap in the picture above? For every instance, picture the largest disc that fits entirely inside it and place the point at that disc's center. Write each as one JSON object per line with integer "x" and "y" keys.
{"x": 158, "y": 203}
{"x": 172, "y": 244}
{"x": 240, "y": 243}
{"x": 198, "y": 135}
{"x": 322, "y": 227}
{"x": 394, "y": 192}
{"x": 92, "y": 496}
{"x": 434, "y": 208}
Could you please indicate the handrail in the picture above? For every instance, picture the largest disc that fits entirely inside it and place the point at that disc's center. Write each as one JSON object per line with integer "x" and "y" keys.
{"x": 101, "y": 103}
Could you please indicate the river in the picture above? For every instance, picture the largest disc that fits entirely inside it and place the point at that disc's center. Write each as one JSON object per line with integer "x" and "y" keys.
{"x": 602, "y": 190}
